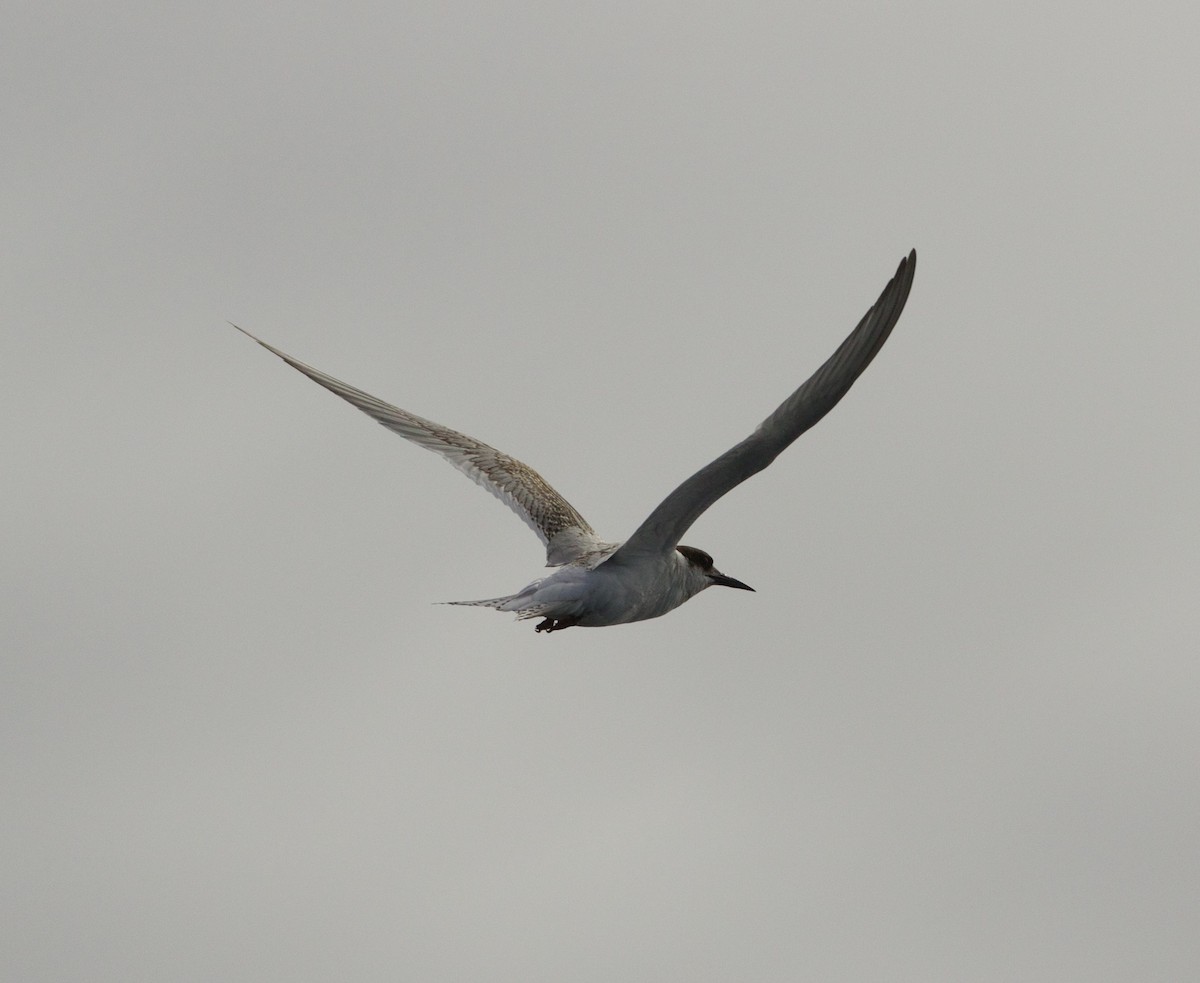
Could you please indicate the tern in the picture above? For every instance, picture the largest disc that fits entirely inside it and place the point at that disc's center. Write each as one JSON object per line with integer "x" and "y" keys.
{"x": 598, "y": 582}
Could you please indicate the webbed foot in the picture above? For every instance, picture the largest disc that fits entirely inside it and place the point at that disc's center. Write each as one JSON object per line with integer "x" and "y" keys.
{"x": 556, "y": 624}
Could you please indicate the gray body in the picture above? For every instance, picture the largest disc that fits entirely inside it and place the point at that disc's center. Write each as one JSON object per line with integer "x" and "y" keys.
{"x": 601, "y": 589}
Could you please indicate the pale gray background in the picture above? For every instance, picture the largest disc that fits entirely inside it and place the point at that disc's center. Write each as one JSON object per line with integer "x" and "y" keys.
{"x": 955, "y": 734}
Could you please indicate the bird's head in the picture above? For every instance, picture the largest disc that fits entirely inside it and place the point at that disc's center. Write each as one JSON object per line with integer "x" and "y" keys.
{"x": 701, "y": 566}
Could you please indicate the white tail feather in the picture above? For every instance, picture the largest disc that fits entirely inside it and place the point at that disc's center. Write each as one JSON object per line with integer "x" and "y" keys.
{"x": 512, "y": 603}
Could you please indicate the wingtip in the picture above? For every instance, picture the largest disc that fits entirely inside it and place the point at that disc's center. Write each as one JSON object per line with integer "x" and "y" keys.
{"x": 238, "y": 327}
{"x": 907, "y": 268}
{"x": 271, "y": 348}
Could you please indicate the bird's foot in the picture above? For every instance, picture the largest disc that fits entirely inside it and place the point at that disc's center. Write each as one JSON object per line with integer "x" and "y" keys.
{"x": 556, "y": 624}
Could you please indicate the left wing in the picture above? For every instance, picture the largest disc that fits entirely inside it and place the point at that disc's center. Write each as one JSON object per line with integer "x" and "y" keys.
{"x": 564, "y": 532}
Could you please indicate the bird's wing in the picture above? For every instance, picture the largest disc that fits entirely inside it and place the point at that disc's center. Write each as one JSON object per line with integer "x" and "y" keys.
{"x": 667, "y": 524}
{"x": 564, "y": 531}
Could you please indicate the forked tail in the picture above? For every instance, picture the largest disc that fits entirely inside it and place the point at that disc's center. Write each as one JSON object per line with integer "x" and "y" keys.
{"x": 517, "y": 603}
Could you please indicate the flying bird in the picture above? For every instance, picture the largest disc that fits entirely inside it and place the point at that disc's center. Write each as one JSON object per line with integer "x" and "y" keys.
{"x": 596, "y": 582}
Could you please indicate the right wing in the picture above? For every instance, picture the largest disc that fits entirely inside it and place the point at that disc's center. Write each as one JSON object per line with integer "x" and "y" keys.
{"x": 667, "y": 524}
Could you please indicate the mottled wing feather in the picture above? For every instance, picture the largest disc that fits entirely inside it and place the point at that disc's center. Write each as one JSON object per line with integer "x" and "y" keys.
{"x": 561, "y": 529}
{"x": 665, "y": 526}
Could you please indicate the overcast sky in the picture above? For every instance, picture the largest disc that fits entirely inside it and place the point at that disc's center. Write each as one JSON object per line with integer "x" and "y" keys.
{"x": 954, "y": 735}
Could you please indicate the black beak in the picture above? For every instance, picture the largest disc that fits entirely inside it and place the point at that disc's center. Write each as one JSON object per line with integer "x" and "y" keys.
{"x": 722, "y": 581}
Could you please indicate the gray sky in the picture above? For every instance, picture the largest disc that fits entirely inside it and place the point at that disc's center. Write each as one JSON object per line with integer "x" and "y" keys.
{"x": 952, "y": 737}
